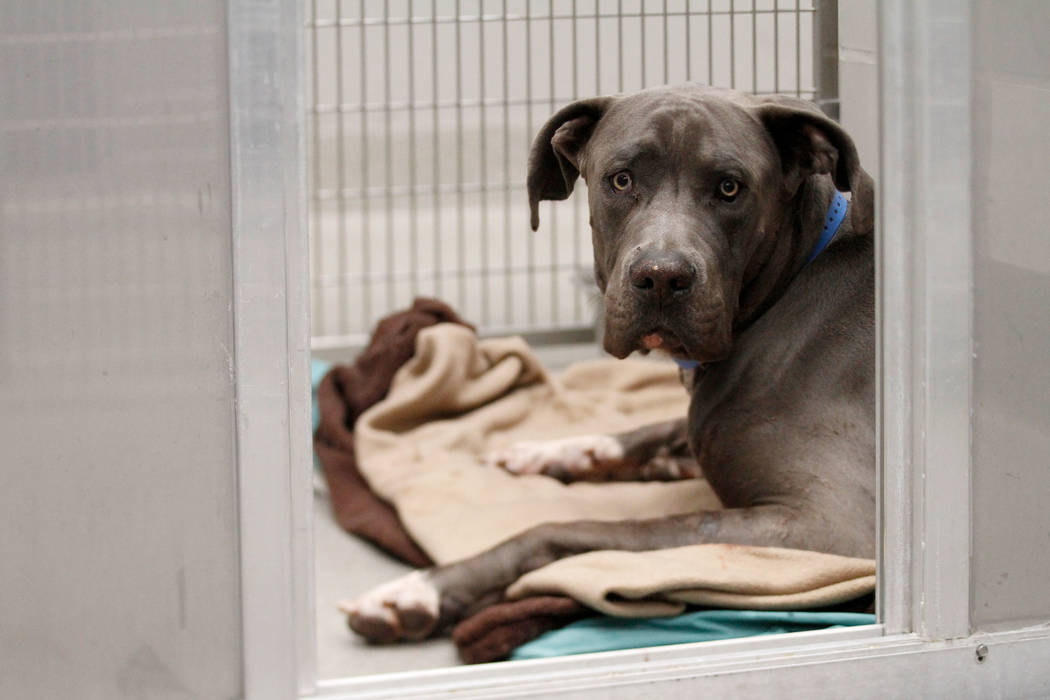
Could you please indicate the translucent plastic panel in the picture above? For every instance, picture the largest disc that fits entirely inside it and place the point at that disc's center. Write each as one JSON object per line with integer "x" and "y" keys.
{"x": 117, "y": 477}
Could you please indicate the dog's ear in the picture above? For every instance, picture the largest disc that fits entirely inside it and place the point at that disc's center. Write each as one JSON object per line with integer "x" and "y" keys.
{"x": 811, "y": 143}
{"x": 554, "y": 161}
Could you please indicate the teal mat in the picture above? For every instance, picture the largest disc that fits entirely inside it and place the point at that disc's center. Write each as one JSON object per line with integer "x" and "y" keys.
{"x": 604, "y": 633}
{"x": 318, "y": 368}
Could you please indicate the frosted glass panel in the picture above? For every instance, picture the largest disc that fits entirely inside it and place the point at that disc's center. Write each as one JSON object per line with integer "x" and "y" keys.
{"x": 117, "y": 477}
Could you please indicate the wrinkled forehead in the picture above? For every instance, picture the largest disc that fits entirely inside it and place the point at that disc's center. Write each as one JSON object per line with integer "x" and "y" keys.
{"x": 680, "y": 129}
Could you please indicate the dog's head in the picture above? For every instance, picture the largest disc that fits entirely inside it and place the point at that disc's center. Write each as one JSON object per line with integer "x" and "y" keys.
{"x": 691, "y": 190}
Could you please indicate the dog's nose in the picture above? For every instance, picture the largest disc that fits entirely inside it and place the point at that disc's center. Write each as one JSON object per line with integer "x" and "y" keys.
{"x": 662, "y": 272}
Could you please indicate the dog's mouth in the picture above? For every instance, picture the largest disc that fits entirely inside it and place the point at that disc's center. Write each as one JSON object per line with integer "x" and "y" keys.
{"x": 705, "y": 342}
{"x": 663, "y": 340}
{"x": 701, "y": 335}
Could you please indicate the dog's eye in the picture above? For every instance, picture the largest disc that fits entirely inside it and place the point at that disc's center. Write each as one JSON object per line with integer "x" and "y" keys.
{"x": 728, "y": 189}
{"x": 621, "y": 181}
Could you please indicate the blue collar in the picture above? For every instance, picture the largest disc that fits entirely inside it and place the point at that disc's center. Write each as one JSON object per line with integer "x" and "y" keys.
{"x": 832, "y": 222}
{"x": 836, "y": 213}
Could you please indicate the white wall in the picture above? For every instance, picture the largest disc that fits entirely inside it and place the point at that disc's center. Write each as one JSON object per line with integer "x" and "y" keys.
{"x": 119, "y": 574}
{"x": 1011, "y": 440}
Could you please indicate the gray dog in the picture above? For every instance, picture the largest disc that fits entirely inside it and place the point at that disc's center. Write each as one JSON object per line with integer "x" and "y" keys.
{"x": 720, "y": 238}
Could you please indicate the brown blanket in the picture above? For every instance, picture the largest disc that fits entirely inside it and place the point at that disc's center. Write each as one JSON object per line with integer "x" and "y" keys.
{"x": 344, "y": 393}
{"x": 496, "y": 631}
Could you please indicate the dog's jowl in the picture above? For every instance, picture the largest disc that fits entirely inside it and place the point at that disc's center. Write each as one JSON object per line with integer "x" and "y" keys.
{"x": 723, "y": 238}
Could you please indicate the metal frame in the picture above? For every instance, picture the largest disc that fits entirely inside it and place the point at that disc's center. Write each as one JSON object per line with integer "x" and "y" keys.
{"x": 923, "y": 645}
{"x": 271, "y": 345}
{"x": 826, "y": 56}
{"x": 809, "y": 664}
{"x": 925, "y": 312}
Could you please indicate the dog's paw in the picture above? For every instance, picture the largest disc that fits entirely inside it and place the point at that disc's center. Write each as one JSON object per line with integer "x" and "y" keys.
{"x": 405, "y": 608}
{"x": 580, "y": 457}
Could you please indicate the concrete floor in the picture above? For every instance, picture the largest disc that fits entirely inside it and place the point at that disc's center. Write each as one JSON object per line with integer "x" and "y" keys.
{"x": 345, "y": 566}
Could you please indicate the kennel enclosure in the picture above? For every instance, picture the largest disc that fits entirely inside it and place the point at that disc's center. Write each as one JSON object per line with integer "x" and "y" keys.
{"x": 420, "y": 115}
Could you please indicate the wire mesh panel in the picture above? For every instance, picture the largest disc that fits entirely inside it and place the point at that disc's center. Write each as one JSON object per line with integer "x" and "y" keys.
{"x": 421, "y": 113}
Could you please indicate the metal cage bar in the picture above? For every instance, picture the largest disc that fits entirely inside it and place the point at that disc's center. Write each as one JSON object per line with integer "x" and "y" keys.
{"x": 418, "y": 188}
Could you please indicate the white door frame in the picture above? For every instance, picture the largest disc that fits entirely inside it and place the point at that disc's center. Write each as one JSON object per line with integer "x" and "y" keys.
{"x": 272, "y": 345}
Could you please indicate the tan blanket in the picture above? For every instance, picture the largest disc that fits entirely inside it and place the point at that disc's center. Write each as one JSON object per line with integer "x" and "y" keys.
{"x": 459, "y": 397}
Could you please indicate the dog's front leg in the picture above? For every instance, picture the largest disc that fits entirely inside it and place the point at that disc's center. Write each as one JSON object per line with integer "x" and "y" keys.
{"x": 429, "y": 602}
{"x": 657, "y": 452}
